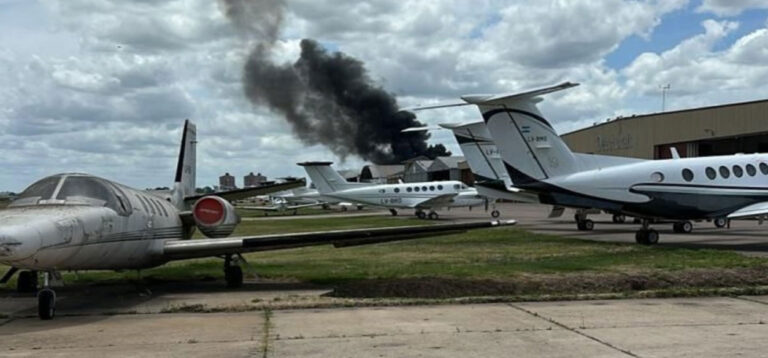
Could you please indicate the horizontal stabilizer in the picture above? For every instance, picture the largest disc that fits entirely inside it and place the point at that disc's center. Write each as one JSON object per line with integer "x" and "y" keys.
{"x": 502, "y": 98}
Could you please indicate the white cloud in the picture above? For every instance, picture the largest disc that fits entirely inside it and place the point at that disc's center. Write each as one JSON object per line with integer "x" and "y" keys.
{"x": 730, "y": 7}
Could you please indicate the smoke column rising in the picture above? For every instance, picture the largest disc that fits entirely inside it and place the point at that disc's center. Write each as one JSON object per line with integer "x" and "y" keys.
{"x": 328, "y": 98}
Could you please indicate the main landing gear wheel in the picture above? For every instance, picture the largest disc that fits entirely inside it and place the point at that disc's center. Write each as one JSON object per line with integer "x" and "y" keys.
{"x": 26, "y": 282}
{"x": 720, "y": 222}
{"x": 618, "y": 218}
{"x": 393, "y": 212}
{"x": 421, "y": 215}
{"x": 683, "y": 227}
{"x": 433, "y": 216}
{"x": 233, "y": 274}
{"x": 647, "y": 237}
{"x": 46, "y": 304}
{"x": 495, "y": 214}
{"x": 585, "y": 225}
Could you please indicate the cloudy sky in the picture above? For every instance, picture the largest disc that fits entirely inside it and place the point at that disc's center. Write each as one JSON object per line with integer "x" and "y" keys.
{"x": 103, "y": 86}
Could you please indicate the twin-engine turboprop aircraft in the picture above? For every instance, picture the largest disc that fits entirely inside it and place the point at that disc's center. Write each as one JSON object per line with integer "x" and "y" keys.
{"x": 679, "y": 189}
{"x": 81, "y": 222}
{"x": 420, "y": 196}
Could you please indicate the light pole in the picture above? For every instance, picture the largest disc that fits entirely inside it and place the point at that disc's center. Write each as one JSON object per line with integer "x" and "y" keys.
{"x": 664, "y": 89}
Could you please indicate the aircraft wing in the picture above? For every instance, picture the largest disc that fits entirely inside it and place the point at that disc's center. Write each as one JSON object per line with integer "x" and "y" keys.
{"x": 186, "y": 249}
{"x": 753, "y": 210}
{"x": 238, "y": 194}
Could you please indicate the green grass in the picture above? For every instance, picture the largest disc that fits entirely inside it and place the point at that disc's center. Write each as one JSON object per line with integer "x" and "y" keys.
{"x": 504, "y": 254}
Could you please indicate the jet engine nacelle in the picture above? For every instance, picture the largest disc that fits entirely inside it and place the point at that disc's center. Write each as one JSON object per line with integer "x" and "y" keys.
{"x": 215, "y": 216}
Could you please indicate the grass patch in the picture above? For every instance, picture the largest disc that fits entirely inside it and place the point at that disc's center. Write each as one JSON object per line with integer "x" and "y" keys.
{"x": 489, "y": 262}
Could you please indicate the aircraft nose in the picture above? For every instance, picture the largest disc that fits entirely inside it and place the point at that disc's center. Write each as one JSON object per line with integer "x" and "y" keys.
{"x": 15, "y": 246}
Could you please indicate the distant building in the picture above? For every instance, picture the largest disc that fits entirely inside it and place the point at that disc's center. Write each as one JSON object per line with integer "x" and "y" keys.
{"x": 227, "y": 182}
{"x": 445, "y": 168}
{"x": 350, "y": 175}
{"x": 416, "y": 170}
{"x": 250, "y": 180}
{"x": 382, "y": 174}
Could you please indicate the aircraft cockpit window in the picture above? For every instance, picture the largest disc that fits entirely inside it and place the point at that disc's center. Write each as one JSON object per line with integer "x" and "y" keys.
{"x": 737, "y": 171}
{"x": 764, "y": 168}
{"x": 42, "y": 189}
{"x": 724, "y": 172}
{"x": 463, "y": 186}
{"x": 456, "y": 186}
{"x": 90, "y": 191}
{"x": 687, "y": 174}
{"x": 751, "y": 170}
{"x": 711, "y": 174}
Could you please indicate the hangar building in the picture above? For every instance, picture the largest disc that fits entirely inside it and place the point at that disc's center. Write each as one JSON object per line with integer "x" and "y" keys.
{"x": 718, "y": 130}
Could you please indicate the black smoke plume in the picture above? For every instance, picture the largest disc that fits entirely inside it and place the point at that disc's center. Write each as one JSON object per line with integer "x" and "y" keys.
{"x": 328, "y": 98}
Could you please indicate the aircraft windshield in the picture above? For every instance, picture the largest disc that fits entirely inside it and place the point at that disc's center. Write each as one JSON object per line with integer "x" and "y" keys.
{"x": 75, "y": 189}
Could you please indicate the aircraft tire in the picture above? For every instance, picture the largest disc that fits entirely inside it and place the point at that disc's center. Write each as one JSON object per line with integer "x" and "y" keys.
{"x": 46, "y": 304}
{"x": 343, "y": 208}
{"x": 393, "y": 212}
{"x": 720, "y": 222}
{"x": 421, "y": 215}
{"x": 495, "y": 214}
{"x": 433, "y": 216}
{"x": 234, "y": 276}
{"x": 647, "y": 237}
{"x": 585, "y": 225}
{"x": 26, "y": 282}
{"x": 683, "y": 227}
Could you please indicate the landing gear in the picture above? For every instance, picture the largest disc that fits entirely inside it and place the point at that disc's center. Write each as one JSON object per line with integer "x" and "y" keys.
{"x": 618, "y": 218}
{"x": 421, "y": 215}
{"x": 26, "y": 282}
{"x": 343, "y": 208}
{"x": 233, "y": 274}
{"x": 495, "y": 214}
{"x": 646, "y": 235}
{"x": 393, "y": 212}
{"x": 433, "y": 215}
{"x": 585, "y": 225}
{"x": 46, "y": 299}
{"x": 721, "y": 222}
{"x": 683, "y": 227}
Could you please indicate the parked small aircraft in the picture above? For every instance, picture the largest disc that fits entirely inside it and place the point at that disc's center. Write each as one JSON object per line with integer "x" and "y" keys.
{"x": 679, "y": 189}
{"x": 420, "y": 196}
{"x": 82, "y": 222}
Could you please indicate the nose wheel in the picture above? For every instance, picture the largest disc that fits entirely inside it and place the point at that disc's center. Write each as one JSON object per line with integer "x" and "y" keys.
{"x": 46, "y": 299}
{"x": 392, "y": 211}
{"x": 646, "y": 235}
{"x": 421, "y": 214}
{"x": 495, "y": 214}
{"x": 684, "y": 227}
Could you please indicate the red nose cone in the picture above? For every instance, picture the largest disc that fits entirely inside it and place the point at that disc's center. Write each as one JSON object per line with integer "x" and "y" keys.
{"x": 209, "y": 211}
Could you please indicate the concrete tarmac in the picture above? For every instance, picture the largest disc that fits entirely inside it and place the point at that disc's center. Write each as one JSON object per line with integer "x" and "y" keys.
{"x": 681, "y": 327}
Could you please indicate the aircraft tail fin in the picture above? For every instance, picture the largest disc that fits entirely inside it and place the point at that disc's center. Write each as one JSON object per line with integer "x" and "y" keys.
{"x": 529, "y": 145}
{"x": 186, "y": 167}
{"x": 326, "y": 179}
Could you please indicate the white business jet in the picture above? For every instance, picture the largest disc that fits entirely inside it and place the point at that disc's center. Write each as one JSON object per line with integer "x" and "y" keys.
{"x": 82, "y": 222}
{"x": 419, "y": 196}
{"x": 679, "y": 189}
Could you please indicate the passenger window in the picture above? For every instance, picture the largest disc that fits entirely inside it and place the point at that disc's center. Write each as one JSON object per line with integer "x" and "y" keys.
{"x": 711, "y": 174}
{"x": 687, "y": 174}
{"x": 724, "y": 172}
{"x": 423, "y": 188}
{"x": 408, "y": 189}
{"x": 751, "y": 170}
{"x": 397, "y": 190}
{"x": 764, "y": 168}
{"x": 737, "y": 171}
{"x": 416, "y": 189}
{"x": 439, "y": 187}
{"x": 657, "y": 177}
{"x": 431, "y": 188}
